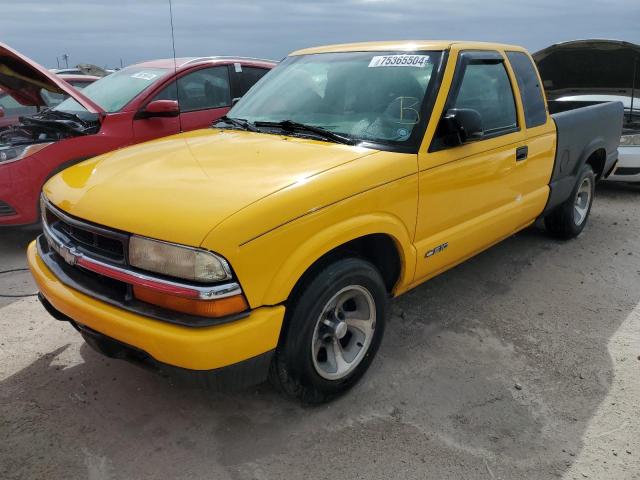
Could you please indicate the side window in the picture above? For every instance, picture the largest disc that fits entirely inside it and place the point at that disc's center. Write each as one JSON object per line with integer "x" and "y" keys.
{"x": 206, "y": 88}
{"x": 535, "y": 112}
{"x": 167, "y": 93}
{"x": 199, "y": 90}
{"x": 485, "y": 87}
{"x": 242, "y": 81}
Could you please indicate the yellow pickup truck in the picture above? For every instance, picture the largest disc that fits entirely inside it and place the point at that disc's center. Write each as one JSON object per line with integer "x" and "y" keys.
{"x": 271, "y": 244}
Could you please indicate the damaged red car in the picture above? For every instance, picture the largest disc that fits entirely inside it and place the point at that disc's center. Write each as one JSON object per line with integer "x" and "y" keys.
{"x": 138, "y": 103}
{"x": 11, "y": 109}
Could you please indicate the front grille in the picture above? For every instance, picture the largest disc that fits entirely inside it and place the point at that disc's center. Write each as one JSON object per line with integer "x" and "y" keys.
{"x": 6, "y": 209}
{"x": 88, "y": 238}
{"x": 92, "y": 241}
{"x": 627, "y": 171}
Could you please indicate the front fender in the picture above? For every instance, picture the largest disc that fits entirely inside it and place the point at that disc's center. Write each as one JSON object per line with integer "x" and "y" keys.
{"x": 269, "y": 264}
{"x": 300, "y": 260}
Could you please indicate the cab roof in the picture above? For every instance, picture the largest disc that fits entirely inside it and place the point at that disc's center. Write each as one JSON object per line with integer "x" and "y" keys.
{"x": 183, "y": 62}
{"x": 403, "y": 45}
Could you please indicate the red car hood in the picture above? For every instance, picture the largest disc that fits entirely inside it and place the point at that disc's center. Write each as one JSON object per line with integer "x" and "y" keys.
{"x": 22, "y": 78}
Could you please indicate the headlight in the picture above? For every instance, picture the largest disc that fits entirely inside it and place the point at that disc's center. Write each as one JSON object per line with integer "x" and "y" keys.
{"x": 18, "y": 152}
{"x": 177, "y": 261}
{"x": 630, "y": 140}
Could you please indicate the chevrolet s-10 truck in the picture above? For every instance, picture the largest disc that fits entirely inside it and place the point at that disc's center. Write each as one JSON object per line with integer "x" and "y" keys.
{"x": 270, "y": 245}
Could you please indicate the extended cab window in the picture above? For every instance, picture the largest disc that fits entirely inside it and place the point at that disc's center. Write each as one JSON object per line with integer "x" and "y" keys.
{"x": 535, "y": 112}
{"x": 486, "y": 88}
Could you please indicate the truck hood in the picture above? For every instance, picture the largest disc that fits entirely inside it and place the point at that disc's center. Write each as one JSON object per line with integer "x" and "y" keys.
{"x": 589, "y": 66}
{"x": 179, "y": 188}
{"x": 24, "y": 79}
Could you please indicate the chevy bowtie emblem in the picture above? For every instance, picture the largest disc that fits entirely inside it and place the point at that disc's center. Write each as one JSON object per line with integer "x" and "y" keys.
{"x": 67, "y": 255}
{"x": 65, "y": 252}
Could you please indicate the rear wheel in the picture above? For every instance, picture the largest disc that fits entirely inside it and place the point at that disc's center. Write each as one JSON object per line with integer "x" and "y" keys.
{"x": 333, "y": 330}
{"x": 569, "y": 219}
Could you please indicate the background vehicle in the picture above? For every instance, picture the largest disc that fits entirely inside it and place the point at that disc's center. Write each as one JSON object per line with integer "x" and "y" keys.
{"x": 351, "y": 174}
{"x": 133, "y": 105}
{"x": 79, "y": 82}
{"x": 12, "y": 110}
{"x": 595, "y": 71}
{"x": 83, "y": 69}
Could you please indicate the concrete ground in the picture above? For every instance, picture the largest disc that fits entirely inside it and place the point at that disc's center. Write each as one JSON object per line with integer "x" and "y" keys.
{"x": 524, "y": 362}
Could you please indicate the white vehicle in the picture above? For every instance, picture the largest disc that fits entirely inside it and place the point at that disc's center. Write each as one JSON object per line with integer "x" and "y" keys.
{"x": 597, "y": 71}
{"x": 83, "y": 69}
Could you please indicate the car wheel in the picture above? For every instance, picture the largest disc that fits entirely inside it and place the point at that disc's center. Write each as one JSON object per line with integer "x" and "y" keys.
{"x": 569, "y": 219}
{"x": 333, "y": 329}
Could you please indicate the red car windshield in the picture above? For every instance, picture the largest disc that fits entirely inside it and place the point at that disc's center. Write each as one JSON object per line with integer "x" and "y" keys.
{"x": 116, "y": 90}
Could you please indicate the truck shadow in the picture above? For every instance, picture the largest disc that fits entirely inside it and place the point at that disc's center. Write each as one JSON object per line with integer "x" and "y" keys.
{"x": 495, "y": 366}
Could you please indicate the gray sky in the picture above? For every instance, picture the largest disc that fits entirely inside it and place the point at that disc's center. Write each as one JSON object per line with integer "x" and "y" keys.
{"x": 102, "y": 32}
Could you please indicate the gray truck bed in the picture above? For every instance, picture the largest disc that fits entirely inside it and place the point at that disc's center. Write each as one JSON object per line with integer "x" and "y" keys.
{"x": 587, "y": 131}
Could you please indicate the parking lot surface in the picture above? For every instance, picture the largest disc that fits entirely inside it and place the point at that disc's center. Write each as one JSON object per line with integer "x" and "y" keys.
{"x": 523, "y": 362}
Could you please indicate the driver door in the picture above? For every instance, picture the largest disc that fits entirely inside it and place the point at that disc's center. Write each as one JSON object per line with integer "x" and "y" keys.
{"x": 467, "y": 194}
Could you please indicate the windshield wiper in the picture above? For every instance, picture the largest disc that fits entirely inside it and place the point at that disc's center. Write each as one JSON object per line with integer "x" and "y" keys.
{"x": 62, "y": 114}
{"x": 236, "y": 122}
{"x": 292, "y": 126}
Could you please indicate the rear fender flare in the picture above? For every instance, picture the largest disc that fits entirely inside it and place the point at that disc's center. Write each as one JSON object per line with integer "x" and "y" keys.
{"x": 590, "y": 149}
{"x": 562, "y": 188}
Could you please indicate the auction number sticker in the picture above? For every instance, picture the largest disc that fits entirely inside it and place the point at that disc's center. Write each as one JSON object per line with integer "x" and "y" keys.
{"x": 399, "y": 61}
{"x": 144, "y": 75}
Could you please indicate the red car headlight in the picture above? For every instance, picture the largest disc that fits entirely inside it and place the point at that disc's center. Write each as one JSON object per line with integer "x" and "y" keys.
{"x": 18, "y": 152}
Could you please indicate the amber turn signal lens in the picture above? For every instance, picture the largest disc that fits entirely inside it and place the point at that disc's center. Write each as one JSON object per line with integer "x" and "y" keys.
{"x": 201, "y": 308}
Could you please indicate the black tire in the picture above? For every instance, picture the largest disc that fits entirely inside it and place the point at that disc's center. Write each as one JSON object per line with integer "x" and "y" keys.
{"x": 292, "y": 370}
{"x": 563, "y": 222}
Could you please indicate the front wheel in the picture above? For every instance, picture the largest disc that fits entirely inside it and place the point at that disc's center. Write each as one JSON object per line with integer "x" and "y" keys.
{"x": 332, "y": 332}
{"x": 569, "y": 218}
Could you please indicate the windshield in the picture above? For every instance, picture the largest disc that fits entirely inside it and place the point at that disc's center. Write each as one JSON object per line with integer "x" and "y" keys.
{"x": 373, "y": 97}
{"x": 114, "y": 91}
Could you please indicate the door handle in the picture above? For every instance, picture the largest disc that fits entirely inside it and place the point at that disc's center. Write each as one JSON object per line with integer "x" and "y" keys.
{"x": 522, "y": 153}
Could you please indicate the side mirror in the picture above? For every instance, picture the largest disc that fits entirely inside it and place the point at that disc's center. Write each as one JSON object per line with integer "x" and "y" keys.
{"x": 160, "y": 108}
{"x": 1, "y": 112}
{"x": 235, "y": 100}
{"x": 461, "y": 125}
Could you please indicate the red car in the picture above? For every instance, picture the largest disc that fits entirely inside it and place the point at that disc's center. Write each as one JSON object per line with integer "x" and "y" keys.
{"x": 11, "y": 110}
{"x": 132, "y": 105}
